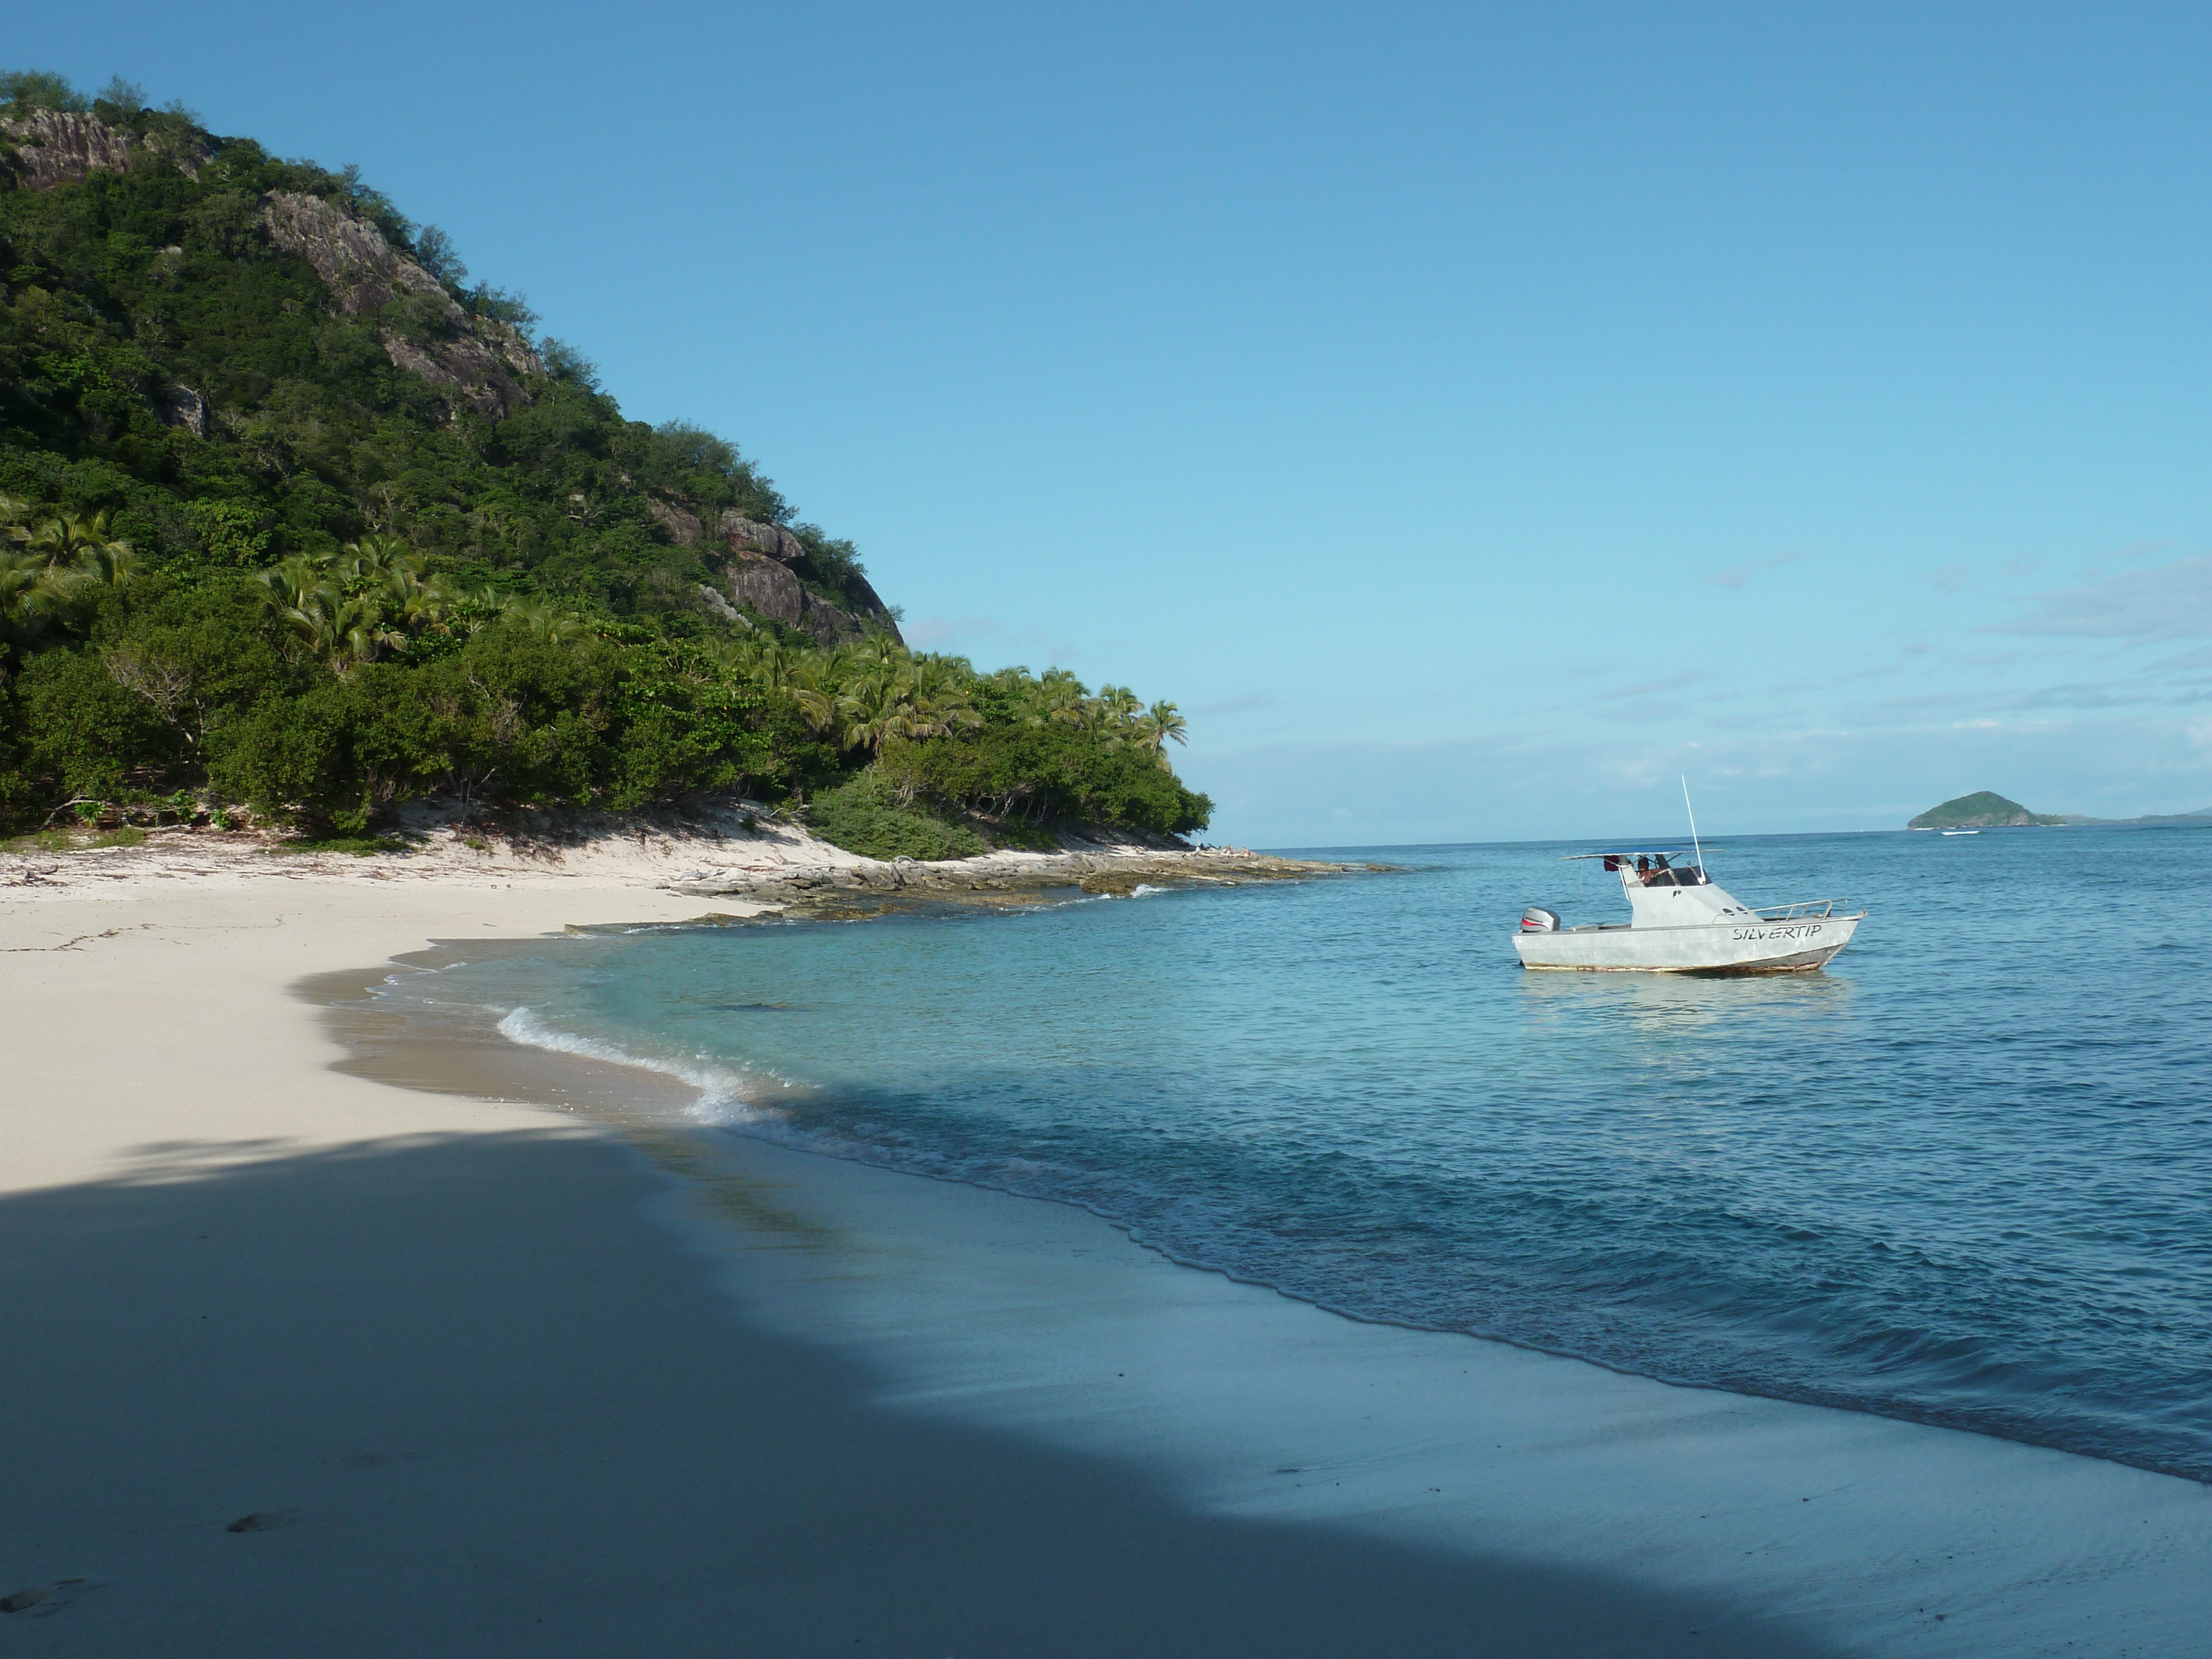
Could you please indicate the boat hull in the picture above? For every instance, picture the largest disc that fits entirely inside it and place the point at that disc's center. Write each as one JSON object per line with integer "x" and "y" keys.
{"x": 1727, "y": 947}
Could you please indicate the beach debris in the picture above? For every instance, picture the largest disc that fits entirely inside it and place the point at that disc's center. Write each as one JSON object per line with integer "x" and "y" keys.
{"x": 24, "y": 1598}
{"x": 264, "y": 1521}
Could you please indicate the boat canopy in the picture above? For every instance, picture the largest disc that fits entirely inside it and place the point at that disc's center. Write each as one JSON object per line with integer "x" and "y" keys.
{"x": 1637, "y": 853}
{"x": 1654, "y": 869}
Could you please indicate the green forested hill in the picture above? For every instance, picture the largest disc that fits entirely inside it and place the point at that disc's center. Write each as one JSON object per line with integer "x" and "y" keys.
{"x": 1983, "y": 809}
{"x": 301, "y": 522}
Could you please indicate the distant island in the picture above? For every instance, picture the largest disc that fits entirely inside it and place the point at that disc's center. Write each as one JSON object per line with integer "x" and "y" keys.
{"x": 1983, "y": 809}
{"x": 1986, "y": 809}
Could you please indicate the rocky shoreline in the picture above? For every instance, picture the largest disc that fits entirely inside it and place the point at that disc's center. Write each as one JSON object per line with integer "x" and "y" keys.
{"x": 739, "y": 851}
{"x": 998, "y": 877}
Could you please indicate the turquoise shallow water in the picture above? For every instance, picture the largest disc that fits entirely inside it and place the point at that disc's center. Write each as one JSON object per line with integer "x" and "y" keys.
{"x": 1964, "y": 1177}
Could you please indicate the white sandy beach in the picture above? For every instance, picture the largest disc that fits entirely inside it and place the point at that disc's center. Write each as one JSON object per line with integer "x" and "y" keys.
{"x": 492, "y": 1383}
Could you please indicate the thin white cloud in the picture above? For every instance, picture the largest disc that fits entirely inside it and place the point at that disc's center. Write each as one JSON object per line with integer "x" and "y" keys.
{"x": 1811, "y": 776}
{"x": 967, "y": 634}
{"x": 1645, "y": 688}
{"x": 2167, "y": 601}
{"x": 1243, "y": 705}
{"x": 1952, "y": 577}
{"x": 1647, "y": 711}
{"x": 1744, "y": 573}
{"x": 2132, "y": 551}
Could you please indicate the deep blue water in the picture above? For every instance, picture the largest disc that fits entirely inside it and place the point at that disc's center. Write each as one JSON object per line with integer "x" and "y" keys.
{"x": 1965, "y": 1175}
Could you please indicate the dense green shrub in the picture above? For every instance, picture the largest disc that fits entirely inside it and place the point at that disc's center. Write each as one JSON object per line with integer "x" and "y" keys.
{"x": 859, "y": 817}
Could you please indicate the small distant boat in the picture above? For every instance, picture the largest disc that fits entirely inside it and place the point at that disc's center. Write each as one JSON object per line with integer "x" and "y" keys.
{"x": 1962, "y": 832}
{"x": 1680, "y": 923}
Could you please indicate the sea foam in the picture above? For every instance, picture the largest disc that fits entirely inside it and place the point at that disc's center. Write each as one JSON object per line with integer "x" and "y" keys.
{"x": 721, "y": 1091}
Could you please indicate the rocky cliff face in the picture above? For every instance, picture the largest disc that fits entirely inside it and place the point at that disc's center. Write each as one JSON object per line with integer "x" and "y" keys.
{"x": 479, "y": 358}
{"x": 762, "y": 565}
{"x": 57, "y": 148}
{"x": 483, "y": 362}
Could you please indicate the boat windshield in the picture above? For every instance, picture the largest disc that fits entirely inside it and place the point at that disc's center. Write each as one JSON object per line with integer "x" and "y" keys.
{"x": 1658, "y": 869}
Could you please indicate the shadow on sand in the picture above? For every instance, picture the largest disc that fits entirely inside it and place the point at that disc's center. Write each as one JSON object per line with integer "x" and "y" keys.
{"x": 489, "y": 1408}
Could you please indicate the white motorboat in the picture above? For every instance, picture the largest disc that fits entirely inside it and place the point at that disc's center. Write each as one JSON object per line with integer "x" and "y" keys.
{"x": 1679, "y": 922}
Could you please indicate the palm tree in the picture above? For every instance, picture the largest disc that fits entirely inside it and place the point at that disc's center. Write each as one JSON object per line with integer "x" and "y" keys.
{"x": 724, "y": 659}
{"x": 881, "y": 650}
{"x": 767, "y": 664}
{"x": 813, "y": 692}
{"x": 939, "y": 699}
{"x": 73, "y": 540}
{"x": 110, "y": 564}
{"x": 1160, "y": 725}
{"x": 369, "y": 560}
{"x": 1062, "y": 698}
{"x": 75, "y": 546}
{"x": 874, "y": 709}
{"x": 341, "y": 628}
{"x": 539, "y": 618}
{"x": 284, "y": 587}
{"x": 30, "y": 598}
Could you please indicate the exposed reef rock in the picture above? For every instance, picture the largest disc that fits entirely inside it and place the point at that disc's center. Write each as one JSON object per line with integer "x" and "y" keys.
{"x": 58, "y": 148}
{"x": 480, "y": 358}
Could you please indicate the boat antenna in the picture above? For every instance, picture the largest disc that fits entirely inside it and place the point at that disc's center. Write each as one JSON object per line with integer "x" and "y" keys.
{"x": 1692, "y": 811}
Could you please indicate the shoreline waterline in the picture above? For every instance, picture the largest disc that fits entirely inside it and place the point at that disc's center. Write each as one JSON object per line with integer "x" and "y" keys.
{"x": 301, "y": 1337}
{"x": 1842, "y": 1189}
{"x": 436, "y": 1339}
{"x": 899, "y": 1270}
{"x": 706, "y": 1102}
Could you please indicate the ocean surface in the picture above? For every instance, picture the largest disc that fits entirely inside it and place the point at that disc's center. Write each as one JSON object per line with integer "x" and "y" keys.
{"x": 1963, "y": 1176}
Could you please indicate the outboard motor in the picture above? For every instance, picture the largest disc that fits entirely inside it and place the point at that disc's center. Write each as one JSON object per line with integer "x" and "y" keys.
{"x": 1537, "y": 920}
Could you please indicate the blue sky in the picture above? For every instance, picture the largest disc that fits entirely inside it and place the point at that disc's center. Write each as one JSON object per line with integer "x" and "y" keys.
{"x": 1473, "y": 417}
